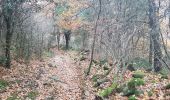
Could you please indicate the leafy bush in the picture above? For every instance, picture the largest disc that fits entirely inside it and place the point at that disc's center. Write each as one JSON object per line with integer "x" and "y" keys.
{"x": 131, "y": 87}
{"x": 135, "y": 82}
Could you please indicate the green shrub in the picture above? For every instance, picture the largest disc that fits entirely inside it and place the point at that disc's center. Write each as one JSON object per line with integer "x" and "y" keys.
{"x": 131, "y": 87}
{"x": 128, "y": 92}
{"x": 135, "y": 82}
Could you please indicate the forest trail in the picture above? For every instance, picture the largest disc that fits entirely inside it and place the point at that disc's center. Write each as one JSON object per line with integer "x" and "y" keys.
{"x": 69, "y": 77}
{"x": 56, "y": 78}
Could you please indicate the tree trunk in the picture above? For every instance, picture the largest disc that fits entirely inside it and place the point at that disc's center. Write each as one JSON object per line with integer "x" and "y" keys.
{"x": 154, "y": 35}
{"x": 67, "y": 38}
{"x": 58, "y": 40}
{"x": 94, "y": 40}
{"x": 8, "y": 43}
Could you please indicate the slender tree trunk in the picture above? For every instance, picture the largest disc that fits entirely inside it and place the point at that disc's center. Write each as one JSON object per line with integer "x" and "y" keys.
{"x": 94, "y": 41}
{"x": 58, "y": 40}
{"x": 155, "y": 38}
{"x": 150, "y": 50}
{"x": 8, "y": 43}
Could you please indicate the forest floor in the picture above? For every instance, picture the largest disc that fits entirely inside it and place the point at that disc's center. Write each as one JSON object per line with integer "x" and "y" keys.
{"x": 56, "y": 78}
{"x": 62, "y": 77}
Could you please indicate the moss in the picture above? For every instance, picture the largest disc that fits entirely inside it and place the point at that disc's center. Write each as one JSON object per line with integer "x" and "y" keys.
{"x": 106, "y": 92}
{"x": 132, "y": 98}
{"x": 138, "y": 74}
{"x": 32, "y": 95}
{"x": 3, "y": 84}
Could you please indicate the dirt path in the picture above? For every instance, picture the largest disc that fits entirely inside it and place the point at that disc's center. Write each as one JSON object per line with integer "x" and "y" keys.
{"x": 69, "y": 75}
{"x": 56, "y": 78}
